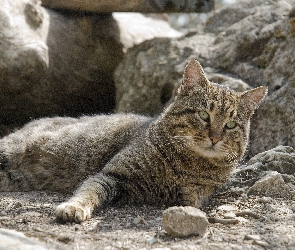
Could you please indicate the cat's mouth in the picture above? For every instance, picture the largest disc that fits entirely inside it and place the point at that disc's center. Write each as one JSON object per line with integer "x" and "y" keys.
{"x": 207, "y": 150}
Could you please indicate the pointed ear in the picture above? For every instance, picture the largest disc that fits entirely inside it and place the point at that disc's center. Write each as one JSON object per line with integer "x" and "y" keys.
{"x": 193, "y": 78}
{"x": 252, "y": 98}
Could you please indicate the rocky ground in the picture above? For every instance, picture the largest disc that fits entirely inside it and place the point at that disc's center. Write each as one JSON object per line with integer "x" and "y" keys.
{"x": 255, "y": 210}
{"x": 247, "y": 222}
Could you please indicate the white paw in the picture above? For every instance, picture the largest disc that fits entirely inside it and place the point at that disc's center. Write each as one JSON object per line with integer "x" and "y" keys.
{"x": 72, "y": 212}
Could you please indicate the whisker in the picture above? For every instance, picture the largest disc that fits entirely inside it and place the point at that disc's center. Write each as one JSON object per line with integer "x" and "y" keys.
{"x": 183, "y": 136}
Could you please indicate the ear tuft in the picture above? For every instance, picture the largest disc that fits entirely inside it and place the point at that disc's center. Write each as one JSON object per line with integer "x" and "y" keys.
{"x": 252, "y": 98}
{"x": 193, "y": 77}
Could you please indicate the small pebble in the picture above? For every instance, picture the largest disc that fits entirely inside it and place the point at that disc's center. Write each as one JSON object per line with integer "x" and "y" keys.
{"x": 94, "y": 227}
{"x": 139, "y": 220}
{"x": 229, "y": 215}
{"x": 252, "y": 237}
{"x": 260, "y": 243}
{"x": 227, "y": 208}
{"x": 184, "y": 221}
{"x": 64, "y": 238}
{"x": 152, "y": 240}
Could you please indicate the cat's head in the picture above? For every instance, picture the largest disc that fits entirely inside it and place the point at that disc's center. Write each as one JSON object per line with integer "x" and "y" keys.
{"x": 212, "y": 119}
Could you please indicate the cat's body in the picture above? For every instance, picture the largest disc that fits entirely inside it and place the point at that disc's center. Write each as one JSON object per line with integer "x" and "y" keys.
{"x": 179, "y": 157}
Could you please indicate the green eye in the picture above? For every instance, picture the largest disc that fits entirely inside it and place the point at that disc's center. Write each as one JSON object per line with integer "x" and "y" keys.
{"x": 204, "y": 115}
{"x": 231, "y": 124}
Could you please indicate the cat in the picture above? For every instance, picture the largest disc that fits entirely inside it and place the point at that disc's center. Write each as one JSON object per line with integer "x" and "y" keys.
{"x": 177, "y": 158}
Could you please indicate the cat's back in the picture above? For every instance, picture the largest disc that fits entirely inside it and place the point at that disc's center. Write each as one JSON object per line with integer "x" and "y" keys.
{"x": 66, "y": 147}
{"x": 111, "y": 129}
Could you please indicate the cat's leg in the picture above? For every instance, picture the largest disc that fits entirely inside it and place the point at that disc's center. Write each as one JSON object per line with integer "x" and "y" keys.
{"x": 91, "y": 195}
{"x": 194, "y": 195}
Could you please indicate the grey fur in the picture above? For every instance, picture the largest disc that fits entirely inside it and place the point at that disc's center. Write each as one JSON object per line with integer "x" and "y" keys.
{"x": 176, "y": 158}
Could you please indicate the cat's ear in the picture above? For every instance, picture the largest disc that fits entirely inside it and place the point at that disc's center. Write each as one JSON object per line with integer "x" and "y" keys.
{"x": 252, "y": 98}
{"x": 193, "y": 78}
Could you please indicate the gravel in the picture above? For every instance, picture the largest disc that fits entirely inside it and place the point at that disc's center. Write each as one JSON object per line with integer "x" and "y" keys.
{"x": 263, "y": 222}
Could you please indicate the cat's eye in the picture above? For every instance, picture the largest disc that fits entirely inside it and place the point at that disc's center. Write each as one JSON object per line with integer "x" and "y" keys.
{"x": 230, "y": 124}
{"x": 204, "y": 115}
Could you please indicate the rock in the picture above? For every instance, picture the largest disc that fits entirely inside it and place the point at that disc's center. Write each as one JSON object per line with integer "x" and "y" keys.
{"x": 270, "y": 173}
{"x": 55, "y": 63}
{"x": 139, "y": 220}
{"x": 272, "y": 184}
{"x": 141, "y": 28}
{"x": 261, "y": 243}
{"x": 280, "y": 159}
{"x": 273, "y": 123}
{"x": 150, "y": 73}
{"x": 11, "y": 239}
{"x": 62, "y": 63}
{"x": 184, "y": 221}
{"x": 233, "y": 83}
{"x": 152, "y": 240}
{"x": 252, "y": 237}
{"x": 65, "y": 238}
{"x": 106, "y": 6}
{"x": 229, "y": 215}
{"x": 227, "y": 208}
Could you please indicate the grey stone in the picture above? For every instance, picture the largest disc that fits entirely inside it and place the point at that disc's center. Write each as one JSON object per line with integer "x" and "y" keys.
{"x": 271, "y": 173}
{"x": 142, "y": 28}
{"x": 62, "y": 63}
{"x": 150, "y": 73}
{"x": 146, "y": 6}
{"x": 272, "y": 184}
{"x": 55, "y": 63}
{"x": 252, "y": 237}
{"x": 11, "y": 239}
{"x": 184, "y": 221}
{"x": 273, "y": 124}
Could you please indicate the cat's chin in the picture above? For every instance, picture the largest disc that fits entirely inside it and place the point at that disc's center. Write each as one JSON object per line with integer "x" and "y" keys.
{"x": 214, "y": 155}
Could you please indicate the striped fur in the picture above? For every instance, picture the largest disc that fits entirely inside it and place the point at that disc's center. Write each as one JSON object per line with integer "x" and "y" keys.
{"x": 176, "y": 158}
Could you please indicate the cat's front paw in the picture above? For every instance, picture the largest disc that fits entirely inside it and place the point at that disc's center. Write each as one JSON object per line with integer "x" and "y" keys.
{"x": 72, "y": 212}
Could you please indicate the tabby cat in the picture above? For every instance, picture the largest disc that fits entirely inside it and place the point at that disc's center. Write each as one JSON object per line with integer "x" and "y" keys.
{"x": 179, "y": 157}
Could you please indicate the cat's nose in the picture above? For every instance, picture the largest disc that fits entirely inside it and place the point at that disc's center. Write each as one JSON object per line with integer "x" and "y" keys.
{"x": 214, "y": 139}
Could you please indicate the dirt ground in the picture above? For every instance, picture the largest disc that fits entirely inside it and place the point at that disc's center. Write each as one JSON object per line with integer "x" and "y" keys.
{"x": 254, "y": 223}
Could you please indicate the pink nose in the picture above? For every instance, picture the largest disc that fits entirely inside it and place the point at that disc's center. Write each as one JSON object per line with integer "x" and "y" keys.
{"x": 214, "y": 139}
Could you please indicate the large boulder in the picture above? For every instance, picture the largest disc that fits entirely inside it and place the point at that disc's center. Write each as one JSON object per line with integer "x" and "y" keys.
{"x": 62, "y": 62}
{"x": 55, "y": 63}
{"x": 249, "y": 42}
{"x": 142, "y": 28}
{"x": 146, "y": 6}
{"x": 24, "y": 58}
